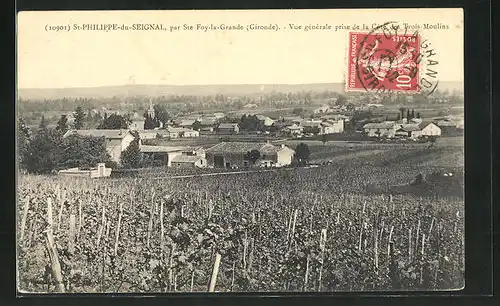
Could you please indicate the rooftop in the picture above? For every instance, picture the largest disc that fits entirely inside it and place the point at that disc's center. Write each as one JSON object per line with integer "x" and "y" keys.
{"x": 186, "y": 159}
{"x": 108, "y": 134}
{"x": 380, "y": 125}
{"x": 228, "y": 125}
{"x": 160, "y": 149}
{"x": 243, "y": 147}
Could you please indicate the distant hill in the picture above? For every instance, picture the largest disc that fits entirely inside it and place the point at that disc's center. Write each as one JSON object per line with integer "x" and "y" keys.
{"x": 195, "y": 90}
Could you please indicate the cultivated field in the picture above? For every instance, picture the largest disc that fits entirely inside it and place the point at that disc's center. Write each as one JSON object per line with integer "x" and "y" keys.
{"x": 303, "y": 229}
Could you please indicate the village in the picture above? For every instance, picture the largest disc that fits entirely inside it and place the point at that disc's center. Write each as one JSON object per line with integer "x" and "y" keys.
{"x": 250, "y": 139}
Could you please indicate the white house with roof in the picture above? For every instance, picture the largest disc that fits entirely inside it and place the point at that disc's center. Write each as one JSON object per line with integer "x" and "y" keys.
{"x": 188, "y": 161}
{"x": 228, "y": 128}
{"x": 117, "y": 141}
{"x": 332, "y": 126}
{"x": 233, "y": 154}
{"x": 265, "y": 120}
{"x": 430, "y": 129}
{"x": 381, "y": 129}
{"x": 178, "y": 132}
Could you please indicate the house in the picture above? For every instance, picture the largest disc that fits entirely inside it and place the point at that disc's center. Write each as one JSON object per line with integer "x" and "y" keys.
{"x": 178, "y": 132}
{"x": 430, "y": 129}
{"x": 381, "y": 129}
{"x": 162, "y": 153}
{"x": 322, "y": 110}
{"x": 332, "y": 126}
{"x": 294, "y": 130}
{"x": 188, "y": 161}
{"x": 147, "y": 134}
{"x": 219, "y": 115}
{"x": 232, "y": 154}
{"x": 311, "y": 127}
{"x": 410, "y": 130}
{"x": 97, "y": 172}
{"x": 117, "y": 141}
{"x": 250, "y": 105}
{"x": 137, "y": 122}
{"x": 187, "y": 123}
{"x": 228, "y": 128}
{"x": 265, "y": 120}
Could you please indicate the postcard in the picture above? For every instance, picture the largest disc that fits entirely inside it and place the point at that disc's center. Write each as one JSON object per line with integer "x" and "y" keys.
{"x": 221, "y": 151}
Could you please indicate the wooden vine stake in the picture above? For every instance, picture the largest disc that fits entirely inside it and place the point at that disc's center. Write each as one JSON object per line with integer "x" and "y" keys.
{"x": 80, "y": 219}
{"x": 72, "y": 234}
{"x": 117, "y": 235}
{"x": 62, "y": 199}
{"x": 390, "y": 241}
{"x": 23, "y": 220}
{"x": 102, "y": 227}
{"x": 215, "y": 272}
{"x": 322, "y": 246}
{"x": 375, "y": 249}
{"x": 51, "y": 248}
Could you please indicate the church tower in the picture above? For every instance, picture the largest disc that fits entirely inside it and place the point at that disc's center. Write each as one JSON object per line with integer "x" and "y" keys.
{"x": 151, "y": 110}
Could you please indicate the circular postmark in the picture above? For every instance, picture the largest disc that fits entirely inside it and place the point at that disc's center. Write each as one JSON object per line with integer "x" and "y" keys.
{"x": 391, "y": 58}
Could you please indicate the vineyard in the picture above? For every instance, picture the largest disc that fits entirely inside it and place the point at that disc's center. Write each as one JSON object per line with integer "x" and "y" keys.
{"x": 304, "y": 229}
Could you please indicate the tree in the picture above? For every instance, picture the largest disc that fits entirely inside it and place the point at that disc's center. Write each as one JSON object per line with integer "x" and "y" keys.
{"x": 252, "y": 156}
{"x": 350, "y": 107}
{"x": 398, "y": 117}
{"x": 161, "y": 114}
{"x": 113, "y": 122}
{"x": 197, "y": 125}
{"x": 43, "y": 151}
{"x": 432, "y": 141}
{"x": 418, "y": 115}
{"x": 79, "y": 115}
{"x": 23, "y": 138}
{"x": 341, "y": 100}
{"x": 132, "y": 156}
{"x": 62, "y": 124}
{"x": 298, "y": 111}
{"x": 408, "y": 116}
{"x": 84, "y": 152}
{"x": 324, "y": 138}
{"x": 302, "y": 152}
{"x": 412, "y": 113}
{"x": 43, "y": 124}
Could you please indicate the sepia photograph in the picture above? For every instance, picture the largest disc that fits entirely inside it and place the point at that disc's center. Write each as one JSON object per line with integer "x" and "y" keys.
{"x": 226, "y": 151}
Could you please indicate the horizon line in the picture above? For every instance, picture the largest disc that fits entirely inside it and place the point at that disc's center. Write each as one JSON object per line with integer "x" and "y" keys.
{"x": 180, "y": 85}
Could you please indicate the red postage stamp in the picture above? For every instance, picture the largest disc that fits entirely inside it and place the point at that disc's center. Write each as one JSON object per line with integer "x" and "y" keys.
{"x": 383, "y": 62}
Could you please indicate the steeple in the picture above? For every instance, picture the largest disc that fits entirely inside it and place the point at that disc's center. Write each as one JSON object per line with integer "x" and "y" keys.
{"x": 151, "y": 110}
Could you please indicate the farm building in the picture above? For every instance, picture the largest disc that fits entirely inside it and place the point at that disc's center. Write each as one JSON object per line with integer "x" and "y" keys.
{"x": 293, "y": 130}
{"x": 332, "y": 127}
{"x": 117, "y": 141}
{"x": 232, "y": 154}
{"x": 311, "y": 127}
{"x": 187, "y": 123}
{"x": 415, "y": 130}
{"x": 163, "y": 153}
{"x": 219, "y": 115}
{"x": 265, "y": 120}
{"x": 228, "y": 128}
{"x": 137, "y": 123}
{"x": 430, "y": 129}
{"x": 97, "y": 172}
{"x": 322, "y": 110}
{"x": 188, "y": 161}
{"x": 411, "y": 130}
{"x": 178, "y": 132}
{"x": 147, "y": 134}
{"x": 382, "y": 129}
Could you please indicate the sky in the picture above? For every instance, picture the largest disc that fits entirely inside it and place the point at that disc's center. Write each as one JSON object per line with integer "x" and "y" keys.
{"x": 50, "y": 59}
